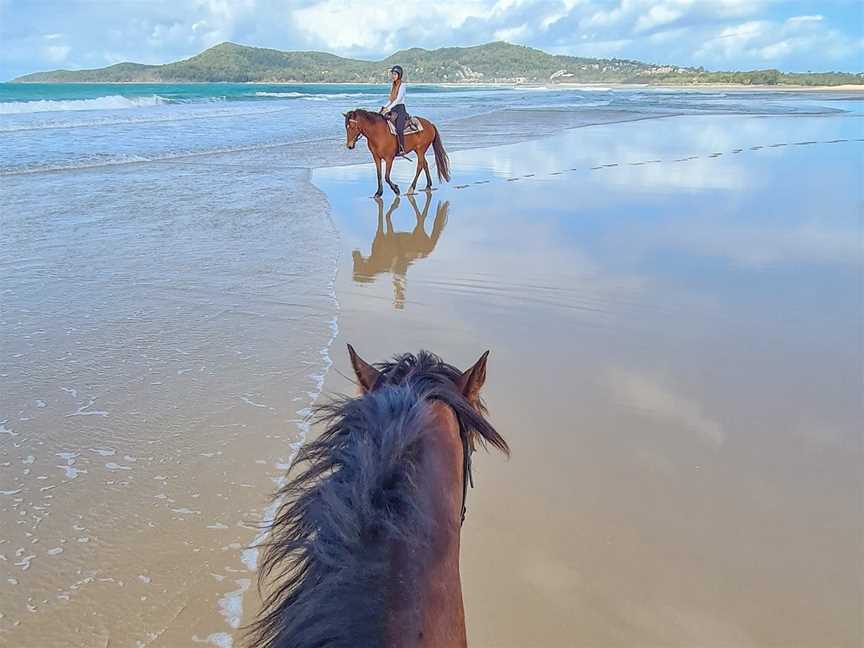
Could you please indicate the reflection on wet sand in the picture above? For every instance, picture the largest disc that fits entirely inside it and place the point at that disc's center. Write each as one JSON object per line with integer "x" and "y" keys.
{"x": 675, "y": 356}
{"x": 394, "y": 251}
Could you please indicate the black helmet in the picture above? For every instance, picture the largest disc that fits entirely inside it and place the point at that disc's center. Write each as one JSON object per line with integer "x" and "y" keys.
{"x": 397, "y": 69}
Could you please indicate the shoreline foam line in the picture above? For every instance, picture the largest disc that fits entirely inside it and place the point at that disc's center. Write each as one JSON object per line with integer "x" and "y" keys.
{"x": 249, "y": 555}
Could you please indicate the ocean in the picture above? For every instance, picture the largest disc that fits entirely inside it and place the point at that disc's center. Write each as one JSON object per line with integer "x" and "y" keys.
{"x": 66, "y": 126}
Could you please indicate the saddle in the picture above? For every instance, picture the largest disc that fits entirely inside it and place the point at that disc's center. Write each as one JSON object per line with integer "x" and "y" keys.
{"x": 412, "y": 125}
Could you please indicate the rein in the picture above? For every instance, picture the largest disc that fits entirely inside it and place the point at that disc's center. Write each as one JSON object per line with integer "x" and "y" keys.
{"x": 467, "y": 477}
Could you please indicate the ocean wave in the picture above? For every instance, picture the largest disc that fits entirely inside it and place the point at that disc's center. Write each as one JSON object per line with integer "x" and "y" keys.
{"x": 110, "y": 102}
{"x": 312, "y": 96}
{"x": 110, "y": 160}
{"x": 225, "y": 110}
{"x": 284, "y": 95}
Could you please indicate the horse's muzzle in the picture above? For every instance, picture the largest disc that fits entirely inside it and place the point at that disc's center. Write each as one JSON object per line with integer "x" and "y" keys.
{"x": 350, "y": 146}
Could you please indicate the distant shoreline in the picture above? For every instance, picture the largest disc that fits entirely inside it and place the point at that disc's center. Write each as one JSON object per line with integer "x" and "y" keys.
{"x": 715, "y": 86}
{"x": 496, "y": 63}
{"x": 556, "y": 86}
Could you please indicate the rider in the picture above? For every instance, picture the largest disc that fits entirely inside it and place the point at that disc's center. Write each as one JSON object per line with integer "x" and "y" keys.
{"x": 396, "y": 105}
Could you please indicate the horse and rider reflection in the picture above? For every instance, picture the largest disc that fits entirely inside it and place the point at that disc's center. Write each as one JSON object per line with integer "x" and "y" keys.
{"x": 394, "y": 251}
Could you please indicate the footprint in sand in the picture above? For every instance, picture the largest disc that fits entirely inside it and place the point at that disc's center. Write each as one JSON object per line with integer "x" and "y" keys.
{"x": 834, "y": 141}
{"x": 756, "y": 148}
{"x": 512, "y": 179}
{"x": 609, "y": 166}
{"x": 777, "y": 145}
{"x": 460, "y": 186}
{"x": 736, "y": 151}
{"x": 528, "y": 175}
{"x": 556, "y": 173}
{"x": 715, "y": 155}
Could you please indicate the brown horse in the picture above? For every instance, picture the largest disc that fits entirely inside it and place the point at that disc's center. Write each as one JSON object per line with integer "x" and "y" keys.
{"x": 364, "y": 551}
{"x": 393, "y": 251}
{"x": 383, "y": 146}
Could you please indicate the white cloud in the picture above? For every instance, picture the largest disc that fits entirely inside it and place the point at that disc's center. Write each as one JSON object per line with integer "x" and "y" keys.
{"x": 511, "y": 34}
{"x": 354, "y": 24}
{"x": 802, "y": 19}
{"x": 56, "y": 53}
{"x": 657, "y": 16}
{"x": 684, "y": 32}
{"x": 771, "y": 42}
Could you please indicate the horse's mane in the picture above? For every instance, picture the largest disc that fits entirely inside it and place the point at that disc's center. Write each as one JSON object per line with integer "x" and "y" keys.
{"x": 328, "y": 552}
{"x": 368, "y": 114}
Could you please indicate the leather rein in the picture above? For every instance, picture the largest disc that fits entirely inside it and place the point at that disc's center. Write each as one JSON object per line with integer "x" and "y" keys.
{"x": 467, "y": 477}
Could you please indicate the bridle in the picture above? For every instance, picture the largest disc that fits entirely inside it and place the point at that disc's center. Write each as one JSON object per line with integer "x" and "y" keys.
{"x": 359, "y": 132}
{"x": 467, "y": 477}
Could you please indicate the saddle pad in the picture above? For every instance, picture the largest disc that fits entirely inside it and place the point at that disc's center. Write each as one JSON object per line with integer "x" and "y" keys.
{"x": 413, "y": 125}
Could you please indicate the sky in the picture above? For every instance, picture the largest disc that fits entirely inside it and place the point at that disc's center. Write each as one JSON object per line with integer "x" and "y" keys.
{"x": 791, "y": 35}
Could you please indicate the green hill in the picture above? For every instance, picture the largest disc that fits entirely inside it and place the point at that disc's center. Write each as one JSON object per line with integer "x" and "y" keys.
{"x": 490, "y": 63}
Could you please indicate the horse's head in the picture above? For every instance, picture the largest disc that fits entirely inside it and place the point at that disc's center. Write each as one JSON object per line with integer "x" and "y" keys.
{"x": 369, "y": 518}
{"x": 439, "y": 383}
{"x": 352, "y": 129}
{"x": 362, "y": 272}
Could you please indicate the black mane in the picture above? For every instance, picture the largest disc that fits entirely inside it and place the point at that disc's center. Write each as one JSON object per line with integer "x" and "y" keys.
{"x": 328, "y": 550}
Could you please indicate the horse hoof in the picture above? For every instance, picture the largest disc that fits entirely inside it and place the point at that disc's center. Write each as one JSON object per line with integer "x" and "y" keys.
{"x": 396, "y": 190}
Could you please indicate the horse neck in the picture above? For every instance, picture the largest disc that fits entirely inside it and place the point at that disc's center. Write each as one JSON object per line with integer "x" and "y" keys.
{"x": 370, "y": 125}
{"x": 426, "y": 595}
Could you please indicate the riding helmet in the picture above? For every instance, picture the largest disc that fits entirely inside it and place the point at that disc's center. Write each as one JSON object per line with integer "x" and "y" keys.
{"x": 397, "y": 69}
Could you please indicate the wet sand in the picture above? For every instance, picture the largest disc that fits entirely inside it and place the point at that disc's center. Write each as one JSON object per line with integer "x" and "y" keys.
{"x": 161, "y": 345}
{"x": 674, "y": 313}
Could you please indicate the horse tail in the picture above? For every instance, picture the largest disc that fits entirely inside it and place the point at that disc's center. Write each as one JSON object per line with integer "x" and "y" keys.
{"x": 442, "y": 162}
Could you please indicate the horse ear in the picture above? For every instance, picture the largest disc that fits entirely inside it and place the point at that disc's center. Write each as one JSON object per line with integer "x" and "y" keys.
{"x": 344, "y": 114}
{"x": 367, "y": 375}
{"x": 471, "y": 381}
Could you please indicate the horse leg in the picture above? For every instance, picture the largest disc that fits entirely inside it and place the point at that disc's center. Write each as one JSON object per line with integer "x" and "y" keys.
{"x": 421, "y": 161}
{"x": 378, "y": 171}
{"x": 388, "y": 163}
{"x": 428, "y": 175}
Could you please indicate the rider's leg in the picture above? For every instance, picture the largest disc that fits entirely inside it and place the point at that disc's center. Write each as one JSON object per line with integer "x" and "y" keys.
{"x": 401, "y": 118}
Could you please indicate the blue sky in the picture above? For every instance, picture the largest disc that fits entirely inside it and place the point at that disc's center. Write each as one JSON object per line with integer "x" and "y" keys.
{"x": 792, "y": 35}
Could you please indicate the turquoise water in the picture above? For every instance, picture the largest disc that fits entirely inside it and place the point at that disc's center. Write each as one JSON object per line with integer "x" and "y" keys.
{"x": 66, "y": 126}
